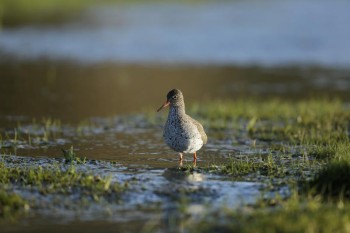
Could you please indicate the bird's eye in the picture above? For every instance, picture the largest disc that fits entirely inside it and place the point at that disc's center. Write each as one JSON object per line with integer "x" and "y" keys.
{"x": 174, "y": 97}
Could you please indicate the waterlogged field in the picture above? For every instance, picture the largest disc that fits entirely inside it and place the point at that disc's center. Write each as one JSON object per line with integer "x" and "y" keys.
{"x": 269, "y": 166}
{"x": 81, "y": 146}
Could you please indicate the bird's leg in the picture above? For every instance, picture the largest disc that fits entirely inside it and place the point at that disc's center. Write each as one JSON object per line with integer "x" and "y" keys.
{"x": 195, "y": 159}
{"x": 180, "y": 161}
{"x": 180, "y": 156}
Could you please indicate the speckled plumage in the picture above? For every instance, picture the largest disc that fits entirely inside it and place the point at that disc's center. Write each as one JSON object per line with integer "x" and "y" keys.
{"x": 181, "y": 132}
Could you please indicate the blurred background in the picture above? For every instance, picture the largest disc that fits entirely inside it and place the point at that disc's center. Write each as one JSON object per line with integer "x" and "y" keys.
{"x": 81, "y": 58}
{"x": 89, "y": 73}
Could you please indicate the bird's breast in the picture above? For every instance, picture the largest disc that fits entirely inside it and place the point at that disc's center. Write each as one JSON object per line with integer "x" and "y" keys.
{"x": 182, "y": 136}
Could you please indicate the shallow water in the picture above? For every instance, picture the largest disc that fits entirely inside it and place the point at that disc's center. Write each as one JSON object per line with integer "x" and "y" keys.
{"x": 93, "y": 83}
{"x": 72, "y": 92}
{"x": 156, "y": 185}
{"x": 103, "y": 111}
{"x": 155, "y": 191}
{"x": 266, "y": 32}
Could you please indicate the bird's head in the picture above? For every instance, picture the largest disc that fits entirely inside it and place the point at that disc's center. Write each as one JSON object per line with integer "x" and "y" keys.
{"x": 174, "y": 99}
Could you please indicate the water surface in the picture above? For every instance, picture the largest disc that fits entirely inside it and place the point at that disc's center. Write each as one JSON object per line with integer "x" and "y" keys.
{"x": 269, "y": 32}
{"x": 93, "y": 82}
{"x": 74, "y": 93}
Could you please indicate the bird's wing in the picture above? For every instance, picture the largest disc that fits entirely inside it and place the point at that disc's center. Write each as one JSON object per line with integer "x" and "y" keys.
{"x": 200, "y": 129}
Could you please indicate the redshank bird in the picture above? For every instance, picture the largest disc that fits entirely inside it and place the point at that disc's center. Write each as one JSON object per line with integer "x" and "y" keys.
{"x": 182, "y": 133}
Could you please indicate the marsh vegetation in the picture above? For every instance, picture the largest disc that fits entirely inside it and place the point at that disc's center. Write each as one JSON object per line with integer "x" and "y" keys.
{"x": 294, "y": 153}
{"x": 81, "y": 146}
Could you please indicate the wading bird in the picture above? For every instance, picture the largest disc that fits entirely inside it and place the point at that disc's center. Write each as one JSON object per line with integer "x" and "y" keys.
{"x": 182, "y": 133}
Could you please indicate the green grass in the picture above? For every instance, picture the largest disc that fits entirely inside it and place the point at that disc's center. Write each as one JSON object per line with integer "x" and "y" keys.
{"x": 315, "y": 129}
{"x": 11, "y": 204}
{"x": 307, "y": 145}
{"x": 333, "y": 181}
{"x": 304, "y": 111}
{"x": 13, "y": 13}
{"x": 294, "y": 215}
{"x": 70, "y": 156}
{"x": 285, "y": 115}
{"x": 65, "y": 180}
{"x": 249, "y": 165}
{"x": 36, "y": 133}
{"x": 20, "y": 12}
{"x": 318, "y": 125}
{"x": 312, "y": 133}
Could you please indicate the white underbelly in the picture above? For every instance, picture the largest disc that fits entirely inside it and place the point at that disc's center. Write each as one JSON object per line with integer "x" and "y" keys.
{"x": 184, "y": 144}
{"x": 194, "y": 146}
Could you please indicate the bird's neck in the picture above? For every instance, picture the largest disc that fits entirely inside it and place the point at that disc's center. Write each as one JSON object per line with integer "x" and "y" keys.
{"x": 177, "y": 110}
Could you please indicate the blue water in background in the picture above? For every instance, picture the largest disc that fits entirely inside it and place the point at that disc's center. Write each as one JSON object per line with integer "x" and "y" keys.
{"x": 268, "y": 33}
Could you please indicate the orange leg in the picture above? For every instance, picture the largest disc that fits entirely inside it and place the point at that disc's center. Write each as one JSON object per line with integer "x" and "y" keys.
{"x": 195, "y": 159}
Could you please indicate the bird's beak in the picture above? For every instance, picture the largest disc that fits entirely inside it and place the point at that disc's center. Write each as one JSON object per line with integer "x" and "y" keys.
{"x": 166, "y": 104}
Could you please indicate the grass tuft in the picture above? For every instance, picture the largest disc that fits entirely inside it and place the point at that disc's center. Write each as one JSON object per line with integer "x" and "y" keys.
{"x": 65, "y": 180}
{"x": 333, "y": 180}
{"x": 11, "y": 204}
{"x": 19, "y": 12}
{"x": 71, "y": 157}
{"x": 293, "y": 215}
